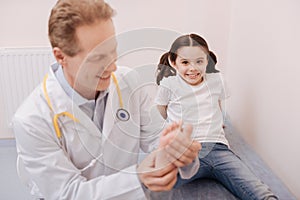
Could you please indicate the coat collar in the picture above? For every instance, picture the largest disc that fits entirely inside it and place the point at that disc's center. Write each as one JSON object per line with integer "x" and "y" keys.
{"x": 61, "y": 102}
{"x": 112, "y": 105}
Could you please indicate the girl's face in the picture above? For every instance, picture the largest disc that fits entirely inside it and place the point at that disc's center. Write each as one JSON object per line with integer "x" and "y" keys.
{"x": 191, "y": 64}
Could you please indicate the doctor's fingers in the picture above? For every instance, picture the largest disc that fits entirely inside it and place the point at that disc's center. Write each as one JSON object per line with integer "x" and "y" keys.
{"x": 173, "y": 127}
{"x": 164, "y": 183}
{"x": 147, "y": 167}
{"x": 147, "y": 164}
{"x": 180, "y": 155}
{"x": 165, "y": 139}
{"x": 178, "y": 158}
{"x": 162, "y": 171}
{"x": 184, "y": 141}
{"x": 189, "y": 147}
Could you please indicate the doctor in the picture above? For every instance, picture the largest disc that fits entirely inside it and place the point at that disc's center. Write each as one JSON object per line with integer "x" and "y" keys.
{"x": 79, "y": 133}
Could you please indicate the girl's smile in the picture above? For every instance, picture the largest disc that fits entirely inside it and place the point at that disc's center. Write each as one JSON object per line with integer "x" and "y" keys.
{"x": 191, "y": 64}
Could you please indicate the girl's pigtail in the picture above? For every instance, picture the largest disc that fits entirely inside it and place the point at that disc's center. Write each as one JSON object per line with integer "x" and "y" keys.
{"x": 164, "y": 69}
{"x": 212, "y": 61}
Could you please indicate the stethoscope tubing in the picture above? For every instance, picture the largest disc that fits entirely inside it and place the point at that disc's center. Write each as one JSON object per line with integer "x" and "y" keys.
{"x": 122, "y": 114}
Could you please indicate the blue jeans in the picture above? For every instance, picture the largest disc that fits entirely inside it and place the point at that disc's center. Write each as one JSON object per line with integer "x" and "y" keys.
{"x": 218, "y": 162}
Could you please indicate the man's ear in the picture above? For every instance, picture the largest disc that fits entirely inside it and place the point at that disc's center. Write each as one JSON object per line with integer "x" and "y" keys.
{"x": 60, "y": 56}
{"x": 172, "y": 64}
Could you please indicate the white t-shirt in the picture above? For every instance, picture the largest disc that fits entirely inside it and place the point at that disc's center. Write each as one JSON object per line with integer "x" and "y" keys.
{"x": 197, "y": 105}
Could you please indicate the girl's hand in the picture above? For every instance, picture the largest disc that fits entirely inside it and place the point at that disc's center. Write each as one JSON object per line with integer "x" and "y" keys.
{"x": 169, "y": 134}
{"x": 177, "y": 146}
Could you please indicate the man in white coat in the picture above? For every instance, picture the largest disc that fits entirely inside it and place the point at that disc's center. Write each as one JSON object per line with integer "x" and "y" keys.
{"x": 80, "y": 132}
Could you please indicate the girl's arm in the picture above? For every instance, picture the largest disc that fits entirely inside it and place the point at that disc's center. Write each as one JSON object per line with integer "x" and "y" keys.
{"x": 223, "y": 112}
{"x": 220, "y": 104}
{"x": 163, "y": 110}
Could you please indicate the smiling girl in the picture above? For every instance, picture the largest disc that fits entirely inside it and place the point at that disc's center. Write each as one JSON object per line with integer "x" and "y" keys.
{"x": 188, "y": 93}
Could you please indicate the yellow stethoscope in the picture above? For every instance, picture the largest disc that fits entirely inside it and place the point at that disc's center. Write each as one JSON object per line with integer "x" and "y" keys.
{"x": 121, "y": 114}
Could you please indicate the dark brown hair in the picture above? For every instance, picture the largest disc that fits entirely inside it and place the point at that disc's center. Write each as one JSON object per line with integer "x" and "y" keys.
{"x": 164, "y": 69}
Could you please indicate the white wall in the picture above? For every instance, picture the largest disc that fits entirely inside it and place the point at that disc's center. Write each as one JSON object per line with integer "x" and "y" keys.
{"x": 24, "y": 23}
{"x": 263, "y": 75}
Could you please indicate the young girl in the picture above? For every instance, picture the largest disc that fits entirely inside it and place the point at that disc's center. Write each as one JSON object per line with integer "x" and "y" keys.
{"x": 186, "y": 92}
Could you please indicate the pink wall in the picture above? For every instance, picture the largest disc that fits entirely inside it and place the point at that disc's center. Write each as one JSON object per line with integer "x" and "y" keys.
{"x": 257, "y": 45}
{"x": 209, "y": 18}
{"x": 263, "y": 75}
{"x": 24, "y": 23}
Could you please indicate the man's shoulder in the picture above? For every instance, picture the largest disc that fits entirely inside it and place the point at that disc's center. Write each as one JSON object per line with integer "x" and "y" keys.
{"x": 127, "y": 76}
{"x": 31, "y": 105}
{"x": 125, "y": 72}
{"x": 122, "y": 69}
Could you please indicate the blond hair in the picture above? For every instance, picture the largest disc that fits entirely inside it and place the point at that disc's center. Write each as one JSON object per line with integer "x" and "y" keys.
{"x": 67, "y": 15}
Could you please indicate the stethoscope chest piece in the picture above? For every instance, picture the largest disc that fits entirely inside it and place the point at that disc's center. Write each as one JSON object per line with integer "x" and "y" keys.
{"x": 122, "y": 114}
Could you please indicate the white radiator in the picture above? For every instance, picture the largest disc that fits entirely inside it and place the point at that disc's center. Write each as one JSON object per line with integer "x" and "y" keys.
{"x": 22, "y": 69}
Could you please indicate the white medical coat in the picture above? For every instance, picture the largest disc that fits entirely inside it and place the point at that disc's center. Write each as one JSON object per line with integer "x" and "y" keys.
{"x": 54, "y": 167}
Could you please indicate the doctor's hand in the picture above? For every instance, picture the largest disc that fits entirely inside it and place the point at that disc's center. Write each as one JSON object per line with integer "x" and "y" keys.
{"x": 179, "y": 148}
{"x": 156, "y": 179}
